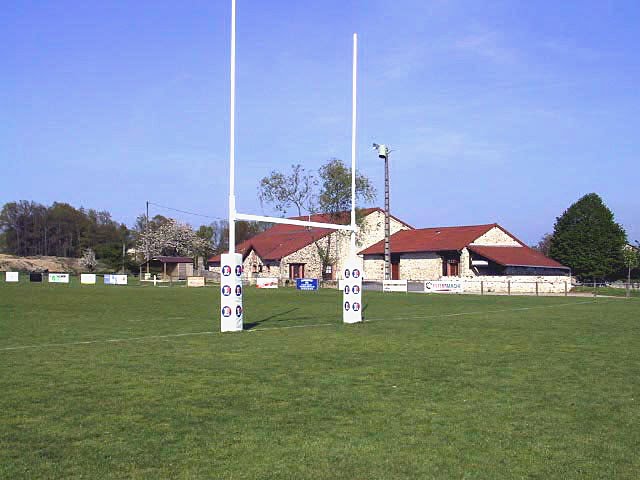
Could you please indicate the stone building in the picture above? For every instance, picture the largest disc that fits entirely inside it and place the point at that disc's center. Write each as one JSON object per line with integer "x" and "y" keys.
{"x": 481, "y": 252}
{"x": 291, "y": 251}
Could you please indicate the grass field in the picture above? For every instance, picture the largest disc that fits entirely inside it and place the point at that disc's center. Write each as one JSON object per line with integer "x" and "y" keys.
{"x": 136, "y": 382}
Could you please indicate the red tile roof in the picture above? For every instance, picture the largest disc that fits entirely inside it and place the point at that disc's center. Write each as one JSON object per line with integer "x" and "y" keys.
{"x": 431, "y": 239}
{"x": 515, "y": 256}
{"x": 282, "y": 240}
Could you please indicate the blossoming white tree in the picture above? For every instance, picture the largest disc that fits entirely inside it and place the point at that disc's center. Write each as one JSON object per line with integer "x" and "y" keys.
{"x": 170, "y": 238}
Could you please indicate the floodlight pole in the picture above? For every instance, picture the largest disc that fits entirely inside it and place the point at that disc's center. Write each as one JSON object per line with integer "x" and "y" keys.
{"x": 232, "y": 135}
{"x": 383, "y": 152}
{"x": 353, "y": 143}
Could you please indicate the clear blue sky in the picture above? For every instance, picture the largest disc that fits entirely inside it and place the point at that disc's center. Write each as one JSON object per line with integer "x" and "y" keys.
{"x": 503, "y": 111}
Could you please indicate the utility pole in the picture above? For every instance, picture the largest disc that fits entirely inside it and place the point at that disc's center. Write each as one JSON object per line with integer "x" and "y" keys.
{"x": 146, "y": 233}
{"x": 383, "y": 152}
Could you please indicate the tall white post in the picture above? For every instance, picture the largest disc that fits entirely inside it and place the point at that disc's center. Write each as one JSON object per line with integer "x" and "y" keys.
{"x": 232, "y": 135}
{"x": 231, "y": 309}
{"x": 353, "y": 142}
{"x": 352, "y": 270}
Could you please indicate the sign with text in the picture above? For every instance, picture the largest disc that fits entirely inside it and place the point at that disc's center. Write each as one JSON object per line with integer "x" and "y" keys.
{"x": 394, "y": 286}
{"x": 195, "y": 281}
{"x": 443, "y": 286}
{"x": 352, "y": 291}
{"x": 88, "y": 278}
{"x": 307, "y": 284}
{"x": 58, "y": 278}
{"x": 231, "y": 312}
{"x": 267, "y": 282}
{"x": 114, "y": 279}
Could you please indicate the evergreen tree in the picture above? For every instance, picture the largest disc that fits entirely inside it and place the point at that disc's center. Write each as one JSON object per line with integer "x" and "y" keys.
{"x": 587, "y": 239}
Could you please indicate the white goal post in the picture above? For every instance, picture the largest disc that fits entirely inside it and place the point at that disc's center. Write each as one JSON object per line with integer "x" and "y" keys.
{"x": 231, "y": 288}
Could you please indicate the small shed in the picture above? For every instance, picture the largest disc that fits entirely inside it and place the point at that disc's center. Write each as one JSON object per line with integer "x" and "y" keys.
{"x": 171, "y": 268}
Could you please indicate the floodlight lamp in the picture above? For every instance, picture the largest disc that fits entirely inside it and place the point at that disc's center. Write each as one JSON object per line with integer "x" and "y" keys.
{"x": 383, "y": 150}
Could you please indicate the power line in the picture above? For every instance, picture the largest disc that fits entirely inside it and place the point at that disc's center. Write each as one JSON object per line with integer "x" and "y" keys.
{"x": 185, "y": 211}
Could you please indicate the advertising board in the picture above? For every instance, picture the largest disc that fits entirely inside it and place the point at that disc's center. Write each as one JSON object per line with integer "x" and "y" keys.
{"x": 444, "y": 286}
{"x": 35, "y": 277}
{"x": 267, "y": 282}
{"x": 308, "y": 284}
{"x": 12, "y": 277}
{"x": 394, "y": 286}
{"x": 195, "y": 281}
{"x": 88, "y": 278}
{"x": 115, "y": 279}
{"x": 58, "y": 278}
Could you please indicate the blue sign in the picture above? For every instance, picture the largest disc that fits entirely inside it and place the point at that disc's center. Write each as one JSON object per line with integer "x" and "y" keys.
{"x": 307, "y": 283}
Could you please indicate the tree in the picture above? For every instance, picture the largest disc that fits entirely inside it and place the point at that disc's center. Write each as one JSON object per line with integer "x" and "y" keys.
{"x": 587, "y": 239}
{"x": 335, "y": 188}
{"x": 284, "y": 191}
{"x": 544, "y": 244}
{"x": 170, "y": 238}
{"x": 88, "y": 259}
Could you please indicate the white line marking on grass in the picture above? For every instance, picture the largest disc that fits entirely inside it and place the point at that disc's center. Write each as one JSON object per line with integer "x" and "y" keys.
{"x": 265, "y": 329}
{"x": 109, "y": 340}
{"x": 479, "y": 312}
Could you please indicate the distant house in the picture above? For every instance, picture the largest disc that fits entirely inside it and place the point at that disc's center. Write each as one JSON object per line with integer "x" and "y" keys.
{"x": 466, "y": 252}
{"x": 290, "y": 251}
{"x": 170, "y": 268}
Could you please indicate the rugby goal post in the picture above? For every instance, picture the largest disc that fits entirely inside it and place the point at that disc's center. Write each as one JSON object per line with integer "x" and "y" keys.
{"x": 231, "y": 287}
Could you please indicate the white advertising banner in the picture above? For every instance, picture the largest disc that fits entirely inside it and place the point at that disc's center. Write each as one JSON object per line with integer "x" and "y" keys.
{"x": 12, "y": 276}
{"x": 267, "y": 282}
{"x": 114, "y": 279}
{"x": 195, "y": 281}
{"x": 88, "y": 278}
{"x": 231, "y": 313}
{"x": 394, "y": 286}
{"x": 444, "y": 286}
{"x": 58, "y": 278}
{"x": 352, "y": 291}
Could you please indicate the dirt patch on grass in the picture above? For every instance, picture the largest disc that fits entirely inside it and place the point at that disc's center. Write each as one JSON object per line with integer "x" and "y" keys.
{"x": 10, "y": 263}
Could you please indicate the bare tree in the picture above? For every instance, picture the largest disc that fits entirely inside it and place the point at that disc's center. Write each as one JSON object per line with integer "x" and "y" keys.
{"x": 284, "y": 191}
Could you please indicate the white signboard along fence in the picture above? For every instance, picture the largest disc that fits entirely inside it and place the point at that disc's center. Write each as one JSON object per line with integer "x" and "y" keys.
{"x": 195, "y": 281}
{"x": 443, "y": 286}
{"x": 395, "y": 286}
{"x": 114, "y": 279}
{"x": 58, "y": 278}
{"x": 267, "y": 282}
{"x": 12, "y": 277}
{"x": 88, "y": 278}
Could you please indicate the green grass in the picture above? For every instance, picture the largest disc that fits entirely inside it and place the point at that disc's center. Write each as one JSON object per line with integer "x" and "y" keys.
{"x": 608, "y": 291}
{"x": 428, "y": 387}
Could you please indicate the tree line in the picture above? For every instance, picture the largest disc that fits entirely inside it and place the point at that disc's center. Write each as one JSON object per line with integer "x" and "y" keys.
{"x": 29, "y": 228}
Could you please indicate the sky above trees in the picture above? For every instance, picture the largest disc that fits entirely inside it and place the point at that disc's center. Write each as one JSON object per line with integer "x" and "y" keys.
{"x": 498, "y": 111}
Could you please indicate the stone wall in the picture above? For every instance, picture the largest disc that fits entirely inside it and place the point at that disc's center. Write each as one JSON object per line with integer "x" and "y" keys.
{"x": 516, "y": 284}
{"x": 310, "y": 258}
{"x": 496, "y": 236}
{"x": 420, "y": 266}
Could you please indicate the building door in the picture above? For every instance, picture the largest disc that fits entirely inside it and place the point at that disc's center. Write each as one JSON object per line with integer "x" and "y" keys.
{"x": 395, "y": 267}
{"x": 452, "y": 268}
{"x": 296, "y": 270}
